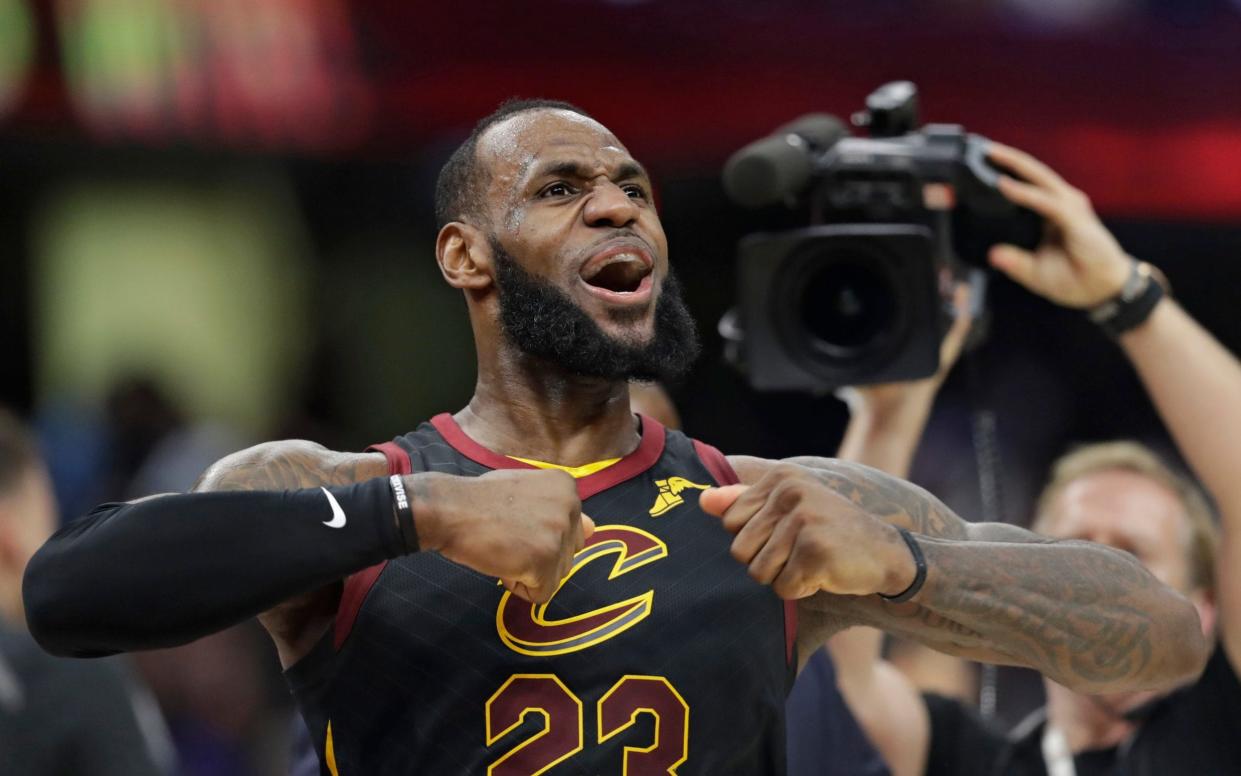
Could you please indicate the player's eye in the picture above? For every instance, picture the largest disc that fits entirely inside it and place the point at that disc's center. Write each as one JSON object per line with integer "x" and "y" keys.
{"x": 634, "y": 191}
{"x": 557, "y": 189}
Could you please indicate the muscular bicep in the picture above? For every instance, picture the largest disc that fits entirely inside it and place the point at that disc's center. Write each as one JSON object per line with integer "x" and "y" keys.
{"x": 297, "y": 624}
{"x": 287, "y": 465}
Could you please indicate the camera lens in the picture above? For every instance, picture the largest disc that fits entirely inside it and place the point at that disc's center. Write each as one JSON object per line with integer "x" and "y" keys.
{"x": 839, "y": 304}
{"x": 843, "y": 306}
{"x": 846, "y": 305}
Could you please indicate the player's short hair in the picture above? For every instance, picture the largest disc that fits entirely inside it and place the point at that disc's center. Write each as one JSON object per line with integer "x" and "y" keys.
{"x": 1202, "y": 536}
{"x": 18, "y": 452}
{"x": 462, "y": 181}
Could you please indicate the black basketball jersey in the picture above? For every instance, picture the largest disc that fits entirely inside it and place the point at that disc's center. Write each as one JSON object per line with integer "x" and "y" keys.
{"x": 657, "y": 654}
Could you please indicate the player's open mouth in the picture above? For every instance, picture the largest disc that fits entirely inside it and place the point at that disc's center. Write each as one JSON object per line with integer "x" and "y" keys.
{"x": 621, "y": 274}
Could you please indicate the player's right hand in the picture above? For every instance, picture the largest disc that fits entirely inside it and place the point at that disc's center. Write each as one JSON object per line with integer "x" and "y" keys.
{"x": 520, "y": 526}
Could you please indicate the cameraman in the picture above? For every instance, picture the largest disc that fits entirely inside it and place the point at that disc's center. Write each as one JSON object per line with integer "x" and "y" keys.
{"x": 885, "y": 424}
{"x": 1118, "y": 494}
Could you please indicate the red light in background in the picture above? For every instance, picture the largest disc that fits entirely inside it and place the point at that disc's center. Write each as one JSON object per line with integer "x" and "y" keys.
{"x": 273, "y": 74}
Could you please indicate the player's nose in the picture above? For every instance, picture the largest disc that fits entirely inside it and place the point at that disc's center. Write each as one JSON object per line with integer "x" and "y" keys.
{"x": 610, "y": 205}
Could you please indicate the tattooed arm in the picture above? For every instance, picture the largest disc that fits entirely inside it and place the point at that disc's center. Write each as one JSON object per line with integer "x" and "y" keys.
{"x": 1087, "y": 616}
{"x": 288, "y": 465}
{"x": 169, "y": 569}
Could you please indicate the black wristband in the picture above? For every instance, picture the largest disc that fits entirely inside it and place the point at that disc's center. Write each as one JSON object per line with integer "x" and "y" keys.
{"x": 1133, "y": 305}
{"x": 919, "y": 571}
{"x": 403, "y": 512}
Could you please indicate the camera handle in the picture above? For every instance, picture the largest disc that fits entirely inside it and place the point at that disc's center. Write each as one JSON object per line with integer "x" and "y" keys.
{"x": 984, "y": 437}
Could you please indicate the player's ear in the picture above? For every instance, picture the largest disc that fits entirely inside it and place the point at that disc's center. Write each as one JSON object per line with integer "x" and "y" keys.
{"x": 464, "y": 256}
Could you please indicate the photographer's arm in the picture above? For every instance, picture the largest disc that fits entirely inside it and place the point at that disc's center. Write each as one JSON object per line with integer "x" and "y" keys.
{"x": 1194, "y": 382}
{"x": 885, "y": 426}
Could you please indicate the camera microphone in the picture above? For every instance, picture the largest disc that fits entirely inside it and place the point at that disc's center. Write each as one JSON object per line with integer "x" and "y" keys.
{"x": 780, "y": 165}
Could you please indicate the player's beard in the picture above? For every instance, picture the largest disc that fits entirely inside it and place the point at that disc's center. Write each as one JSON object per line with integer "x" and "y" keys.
{"x": 543, "y": 321}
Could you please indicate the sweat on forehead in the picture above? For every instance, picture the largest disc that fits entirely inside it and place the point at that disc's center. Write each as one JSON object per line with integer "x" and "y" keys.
{"x": 462, "y": 179}
{"x": 517, "y": 139}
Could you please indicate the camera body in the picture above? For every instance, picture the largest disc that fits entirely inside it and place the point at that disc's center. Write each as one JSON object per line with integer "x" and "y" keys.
{"x": 839, "y": 304}
{"x": 857, "y": 296}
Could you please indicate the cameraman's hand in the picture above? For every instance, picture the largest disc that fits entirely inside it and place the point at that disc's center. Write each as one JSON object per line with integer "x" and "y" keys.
{"x": 1079, "y": 263}
{"x": 881, "y": 399}
{"x": 886, "y": 419}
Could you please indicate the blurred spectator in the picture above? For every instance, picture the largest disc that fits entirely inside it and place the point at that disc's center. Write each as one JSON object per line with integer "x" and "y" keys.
{"x": 57, "y": 716}
{"x": 222, "y": 694}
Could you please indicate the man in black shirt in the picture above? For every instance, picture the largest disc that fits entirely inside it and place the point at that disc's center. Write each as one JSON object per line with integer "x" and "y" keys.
{"x": 1122, "y": 495}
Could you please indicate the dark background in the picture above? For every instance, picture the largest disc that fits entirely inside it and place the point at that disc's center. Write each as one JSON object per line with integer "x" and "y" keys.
{"x": 346, "y": 110}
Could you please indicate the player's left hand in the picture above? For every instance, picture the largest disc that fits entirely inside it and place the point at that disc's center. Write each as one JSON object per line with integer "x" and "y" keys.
{"x": 1079, "y": 263}
{"x": 799, "y": 536}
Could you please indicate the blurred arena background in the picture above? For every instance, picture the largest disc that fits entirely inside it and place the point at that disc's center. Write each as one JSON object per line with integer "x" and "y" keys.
{"x": 216, "y": 226}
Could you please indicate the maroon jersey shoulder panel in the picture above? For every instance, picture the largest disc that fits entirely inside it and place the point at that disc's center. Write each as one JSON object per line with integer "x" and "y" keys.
{"x": 717, "y": 463}
{"x": 398, "y": 459}
{"x": 359, "y": 584}
{"x": 356, "y": 588}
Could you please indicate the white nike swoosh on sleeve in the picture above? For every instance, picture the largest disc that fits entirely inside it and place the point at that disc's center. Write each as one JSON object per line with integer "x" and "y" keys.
{"x": 338, "y": 515}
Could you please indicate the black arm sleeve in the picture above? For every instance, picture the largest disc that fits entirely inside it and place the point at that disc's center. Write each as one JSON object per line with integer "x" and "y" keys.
{"x": 171, "y": 569}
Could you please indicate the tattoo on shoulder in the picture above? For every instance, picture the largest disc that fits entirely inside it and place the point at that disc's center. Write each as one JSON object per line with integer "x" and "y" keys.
{"x": 889, "y": 498}
{"x": 289, "y": 465}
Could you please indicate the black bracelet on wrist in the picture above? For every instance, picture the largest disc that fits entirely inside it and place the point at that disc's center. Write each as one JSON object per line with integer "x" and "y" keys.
{"x": 403, "y": 512}
{"x": 1133, "y": 305}
{"x": 919, "y": 571}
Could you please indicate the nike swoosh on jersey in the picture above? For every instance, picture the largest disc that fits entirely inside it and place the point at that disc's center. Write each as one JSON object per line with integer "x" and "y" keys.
{"x": 338, "y": 515}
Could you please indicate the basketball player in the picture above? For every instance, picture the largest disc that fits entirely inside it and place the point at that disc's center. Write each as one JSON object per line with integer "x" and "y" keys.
{"x": 544, "y": 582}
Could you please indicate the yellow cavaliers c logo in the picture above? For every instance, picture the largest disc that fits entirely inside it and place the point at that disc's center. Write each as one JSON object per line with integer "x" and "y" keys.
{"x": 524, "y": 626}
{"x": 670, "y": 494}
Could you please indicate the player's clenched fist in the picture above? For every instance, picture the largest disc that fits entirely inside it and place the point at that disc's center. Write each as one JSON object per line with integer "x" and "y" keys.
{"x": 800, "y": 536}
{"x": 520, "y": 526}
